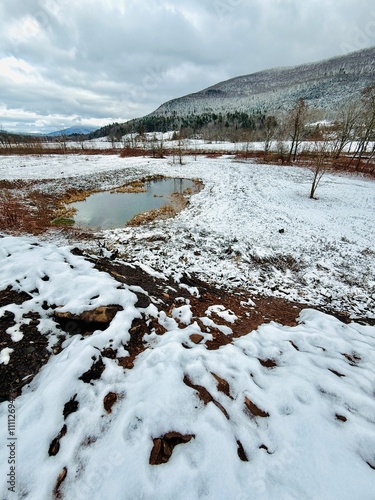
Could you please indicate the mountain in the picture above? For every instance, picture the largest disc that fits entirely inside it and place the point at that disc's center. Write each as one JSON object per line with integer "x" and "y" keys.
{"x": 244, "y": 101}
{"x": 323, "y": 85}
{"x": 77, "y": 129}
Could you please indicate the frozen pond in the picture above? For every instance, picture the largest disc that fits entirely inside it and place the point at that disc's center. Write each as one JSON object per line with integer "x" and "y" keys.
{"x": 107, "y": 210}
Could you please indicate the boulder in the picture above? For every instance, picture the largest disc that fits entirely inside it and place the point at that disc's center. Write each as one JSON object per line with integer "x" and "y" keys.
{"x": 102, "y": 314}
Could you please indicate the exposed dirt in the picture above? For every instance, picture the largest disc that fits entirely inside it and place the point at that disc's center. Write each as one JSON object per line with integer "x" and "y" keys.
{"x": 109, "y": 400}
{"x": 29, "y": 354}
{"x": 94, "y": 373}
{"x": 70, "y": 407}
{"x": 54, "y": 447}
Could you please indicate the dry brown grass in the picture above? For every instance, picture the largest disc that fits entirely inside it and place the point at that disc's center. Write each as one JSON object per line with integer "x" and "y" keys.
{"x": 163, "y": 212}
{"x": 20, "y": 213}
{"x": 62, "y": 210}
{"x": 137, "y": 186}
{"x": 40, "y": 149}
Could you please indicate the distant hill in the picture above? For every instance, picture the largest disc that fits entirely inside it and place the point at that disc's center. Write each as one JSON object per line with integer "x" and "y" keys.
{"x": 245, "y": 100}
{"x": 78, "y": 129}
{"x": 323, "y": 85}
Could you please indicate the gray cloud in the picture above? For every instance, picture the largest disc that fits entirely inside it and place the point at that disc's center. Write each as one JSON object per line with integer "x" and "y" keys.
{"x": 63, "y": 62}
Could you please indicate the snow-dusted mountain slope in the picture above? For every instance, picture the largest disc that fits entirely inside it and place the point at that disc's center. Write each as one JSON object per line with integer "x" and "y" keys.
{"x": 324, "y": 84}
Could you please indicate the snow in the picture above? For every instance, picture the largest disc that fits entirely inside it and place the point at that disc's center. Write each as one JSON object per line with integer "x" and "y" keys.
{"x": 302, "y": 449}
{"x": 324, "y": 85}
{"x": 228, "y": 315}
{"x": 318, "y": 439}
{"x": 5, "y": 355}
{"x": 324, "y": 257}
{"x": 56, "y": 166}
{"x": 183, "y": 314}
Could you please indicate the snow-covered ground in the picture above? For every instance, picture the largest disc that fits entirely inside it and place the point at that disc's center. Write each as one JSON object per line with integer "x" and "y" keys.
{"x": 304, "y": 421}
{"x": 230, "y": 233}
{"x": 305, "y": 424}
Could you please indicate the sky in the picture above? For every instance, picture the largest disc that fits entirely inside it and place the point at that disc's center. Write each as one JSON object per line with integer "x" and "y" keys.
{"x": 95, "y": 62}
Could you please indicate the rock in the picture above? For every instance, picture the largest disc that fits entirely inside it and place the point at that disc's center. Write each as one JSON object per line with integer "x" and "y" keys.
{"x": 222, "y": 385}
{"x": 341, "y": 418}
{"x": 54, "y": 447}
{"x": 109, "y": 400}
{"x": 108, "y": 352}
{"x": 60, "y": 480}
{"x": 282, "y": 231}
{"x": 126, "y": 362}
{"x": 241, "y": 452}
{"x": 268, "y": 363}
{"x": 205, "y": 396}
{"x": 102, "y": 314}
{"x": 143, "y": 300}
{"x": 196, "y": 338}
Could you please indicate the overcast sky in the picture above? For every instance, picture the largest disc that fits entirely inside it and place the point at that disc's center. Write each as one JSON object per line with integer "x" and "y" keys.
{"x": 93, "y": 62}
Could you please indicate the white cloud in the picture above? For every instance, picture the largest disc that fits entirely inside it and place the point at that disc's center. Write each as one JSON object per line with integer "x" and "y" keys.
{"x": 118, "y": 59}
{"x": 17, "y": 71}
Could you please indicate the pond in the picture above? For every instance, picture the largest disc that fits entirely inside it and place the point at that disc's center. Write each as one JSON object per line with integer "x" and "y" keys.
{"x": 109, "y": 210}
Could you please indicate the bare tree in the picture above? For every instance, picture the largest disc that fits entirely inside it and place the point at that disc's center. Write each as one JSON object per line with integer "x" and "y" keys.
{"x": 320, "y": 163}
{"x": 366, "y": 129}
{"x": 180, "y": 149}
{"x": 62, "y": 139}
{"x": 346, "y": 124}
{"x": 297, "y": 126}
{"x": 270, "y": 128}
{"x": 81, "y": 140}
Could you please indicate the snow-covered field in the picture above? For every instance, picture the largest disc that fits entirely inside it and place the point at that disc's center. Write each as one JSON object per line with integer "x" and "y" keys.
{"x": 230, "y": 233}
{"x": 303, "y": 418}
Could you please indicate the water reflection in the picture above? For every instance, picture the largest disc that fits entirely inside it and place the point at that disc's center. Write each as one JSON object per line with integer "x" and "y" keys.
{"x": 108, "y": 210}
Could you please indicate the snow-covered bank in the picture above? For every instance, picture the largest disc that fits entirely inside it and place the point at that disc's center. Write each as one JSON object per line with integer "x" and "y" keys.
{"x": 295, "y": 402}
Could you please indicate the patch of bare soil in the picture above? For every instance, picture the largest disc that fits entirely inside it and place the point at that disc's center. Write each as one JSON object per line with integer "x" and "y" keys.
{"x": 29, "y": 354}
